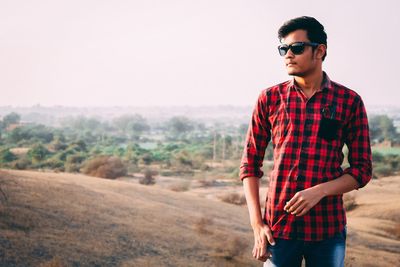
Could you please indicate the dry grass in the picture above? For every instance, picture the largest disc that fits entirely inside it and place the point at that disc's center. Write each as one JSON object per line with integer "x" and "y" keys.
{"x": 233, "y": 198}
{"x": 105, "y": 167}
{"x": 203, "y": 225}
{"x": 148, "y": 178}
{"x": 55, "y": 262}
{"x": 230, "y": 247}
{"x": 349, "y": 201}
{"x": 394, "y": 231}
{"x": 180, "y": 186}
{"x": 88, "y": 221}
{"x": 206, "y": 182}
{"x": 19, "y": 151}
{"x": 98, "y": 222}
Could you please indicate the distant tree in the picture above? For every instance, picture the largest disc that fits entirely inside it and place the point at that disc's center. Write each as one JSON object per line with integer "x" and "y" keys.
{"x": 92, "y": 124}
{"x": 147, "y": 158}
{"x": 38, "y": 153}
{"x": 382, "y": 128}
{"x": 139, "y": 124}
{"x": 57, "y": 145}
{"x": 17, "y": 135}
{"x": 133, "y": 152}
{"x": 242, "y": 130}
{"x": 32, "y": 134}
{"x": 183, "y": 158}
{"x": 179, "y": 125}
{"x": 78, "y": 123}
{"x": 11, "y": 118}
{"x": 78, "y": 145}
{"x": 132, "y": 125}
{"x": 74, "y": 162}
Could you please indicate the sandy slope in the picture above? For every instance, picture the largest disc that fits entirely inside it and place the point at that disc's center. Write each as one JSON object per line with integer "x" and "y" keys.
{"x": 89, "y": 221}
{"x": 371, "y": 238}
{"x": 97, "y": 222}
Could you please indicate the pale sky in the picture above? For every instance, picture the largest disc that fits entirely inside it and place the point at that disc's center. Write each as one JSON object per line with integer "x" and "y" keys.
{"x": 183, "y": 52}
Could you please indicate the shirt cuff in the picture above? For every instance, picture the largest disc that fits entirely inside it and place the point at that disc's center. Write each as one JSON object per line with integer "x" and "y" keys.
{"x": 358, "y": 175}
{"x": 246, "y": 171}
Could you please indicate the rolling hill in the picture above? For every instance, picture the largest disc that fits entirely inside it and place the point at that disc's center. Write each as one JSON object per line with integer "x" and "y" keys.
{"x": 79, "y": 220}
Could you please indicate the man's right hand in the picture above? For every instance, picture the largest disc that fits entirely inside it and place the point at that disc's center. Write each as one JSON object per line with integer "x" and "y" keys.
{"x": 262, "y": 236}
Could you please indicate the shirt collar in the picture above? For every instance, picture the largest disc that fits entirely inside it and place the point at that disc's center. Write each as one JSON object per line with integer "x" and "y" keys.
{"x": 326, "y": 84}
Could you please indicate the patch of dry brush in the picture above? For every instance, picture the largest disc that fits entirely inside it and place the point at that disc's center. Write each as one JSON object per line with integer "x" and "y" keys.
{"x": 233, "y": 198}
{"x": 349, "y": 201}
{"x": 227, "y": 247}
{"x": 105, "y": 167}
{"x": 55, "y": 262}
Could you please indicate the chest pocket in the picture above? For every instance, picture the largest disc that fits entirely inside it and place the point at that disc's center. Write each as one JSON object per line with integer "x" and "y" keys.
{"x": 330, "y": 125}
{"x": 329, "y": 128}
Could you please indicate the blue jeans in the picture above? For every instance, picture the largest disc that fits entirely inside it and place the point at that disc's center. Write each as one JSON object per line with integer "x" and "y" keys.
{"x": 326, "y": 253}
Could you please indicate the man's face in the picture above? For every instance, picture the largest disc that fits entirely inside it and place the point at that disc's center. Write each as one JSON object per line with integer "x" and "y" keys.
{"x": 304, "y": 64}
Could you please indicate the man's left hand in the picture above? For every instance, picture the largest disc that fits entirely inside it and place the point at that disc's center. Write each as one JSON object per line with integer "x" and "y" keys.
{"x": 303, "y": 201}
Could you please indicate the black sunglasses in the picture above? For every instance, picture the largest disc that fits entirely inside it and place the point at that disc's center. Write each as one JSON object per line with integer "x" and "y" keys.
{"x": 296, "y": 48}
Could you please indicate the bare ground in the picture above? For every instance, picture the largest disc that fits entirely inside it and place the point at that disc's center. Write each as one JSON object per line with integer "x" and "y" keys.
{"x": 87, "y": 221}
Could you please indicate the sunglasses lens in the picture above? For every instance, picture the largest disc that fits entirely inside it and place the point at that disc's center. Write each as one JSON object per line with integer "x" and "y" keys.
{"x": 283, "y": 50}
{"x": 297, "y": 49}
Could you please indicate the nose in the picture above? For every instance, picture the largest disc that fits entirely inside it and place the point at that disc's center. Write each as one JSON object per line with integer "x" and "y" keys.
{"x": 289, "y": 54}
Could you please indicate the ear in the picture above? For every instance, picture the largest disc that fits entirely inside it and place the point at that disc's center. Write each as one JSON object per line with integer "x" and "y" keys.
{"x": 320, "y": 51}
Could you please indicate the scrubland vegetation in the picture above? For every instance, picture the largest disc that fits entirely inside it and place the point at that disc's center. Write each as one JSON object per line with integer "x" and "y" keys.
{"x": 130, "y": 144}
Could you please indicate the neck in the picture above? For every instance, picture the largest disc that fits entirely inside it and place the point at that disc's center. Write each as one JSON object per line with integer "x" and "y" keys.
{"x": 310, "y": 83}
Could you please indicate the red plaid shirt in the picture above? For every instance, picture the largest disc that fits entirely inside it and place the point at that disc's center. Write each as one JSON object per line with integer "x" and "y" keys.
{"x": 307, "y": 137}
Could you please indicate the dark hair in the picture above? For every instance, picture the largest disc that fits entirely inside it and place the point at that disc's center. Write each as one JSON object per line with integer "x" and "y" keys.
{"x": 315, "y": 30}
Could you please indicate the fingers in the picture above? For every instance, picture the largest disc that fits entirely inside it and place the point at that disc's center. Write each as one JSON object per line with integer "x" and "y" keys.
{"x": 266, "y": 257}
{"x": 269, "y": 236}
{"x": 261, "y": 253}
{"x": 303, "y": 211}
{"x": 295, "y": 205}
{"x": 291, "y": 201}
{"x": 296, "y": 210}
{"x": 262, "y": 237}
{"x": 260, "y": 247}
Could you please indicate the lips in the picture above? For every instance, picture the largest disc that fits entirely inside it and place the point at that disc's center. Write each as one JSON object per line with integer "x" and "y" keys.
{"x": 290, "y": 63}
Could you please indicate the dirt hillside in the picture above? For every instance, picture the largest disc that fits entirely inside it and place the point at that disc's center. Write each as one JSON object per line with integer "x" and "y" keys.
{"x": 86, "y": 221}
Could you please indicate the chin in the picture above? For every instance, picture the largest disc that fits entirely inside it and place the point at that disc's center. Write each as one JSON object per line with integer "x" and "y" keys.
{"x": 295, "y": 73}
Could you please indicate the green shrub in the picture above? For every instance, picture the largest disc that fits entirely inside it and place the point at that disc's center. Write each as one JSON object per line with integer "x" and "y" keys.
{"x": 38, "y": 153}
{"x": 54, "y": 163}
{"x": 147, "y": 158}
{"x": 22, "y": 164}
{"x": 377, "y": 157}
{"x": 6, "y": 156}
{"x": 382, "y": 170}
{"x": 74, "y": 162}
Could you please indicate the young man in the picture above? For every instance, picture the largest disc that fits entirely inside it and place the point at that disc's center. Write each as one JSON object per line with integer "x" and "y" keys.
{"x": 308, "y": 119}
